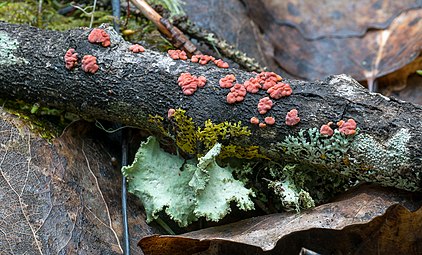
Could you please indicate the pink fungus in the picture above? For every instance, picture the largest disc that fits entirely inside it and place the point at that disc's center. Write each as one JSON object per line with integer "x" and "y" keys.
{"x": 136, "y": 48}
{"x": 171, "y": 113}
{"x": 269, "y": 120}
{"x": 252, "y": 85}
{"x": 326, "y": 129}
{"x": 255, "y": 120}
{"x": 348, "y": 127}
{"x": 89, "y": 64}
{"x": 202, "y": 59}
{"x": 264, "y": 105}
{"x": 99, "y": 36}
{"x": 262, "y": 125}
{"x": 221, "y": 64}
{"x": 71, "y": 58}
{"x": 177, "y": 54}
{"x": 227, "y": 81}
{"x": 268, "y": 79}
{"x": 280, "y": 90}
{"x": 237, "y": 94}
{"x": 292, "y": 118}
{"x": 190, "y": 83}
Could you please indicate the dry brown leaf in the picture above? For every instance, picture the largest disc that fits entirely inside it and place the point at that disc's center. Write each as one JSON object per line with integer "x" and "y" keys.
{"x": 404, "y": 83}
{"x": 329, "y": 18}
{"x": 367, "y": 220}
{"x": 61, "y": 197}
{"x": 377, "y": 53}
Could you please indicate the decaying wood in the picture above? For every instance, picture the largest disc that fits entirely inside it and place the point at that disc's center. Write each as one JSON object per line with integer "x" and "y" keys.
{"x": 129, "y": 87}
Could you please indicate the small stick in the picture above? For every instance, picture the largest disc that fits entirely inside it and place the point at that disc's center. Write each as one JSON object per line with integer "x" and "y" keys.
{"x": 173, "y": 34}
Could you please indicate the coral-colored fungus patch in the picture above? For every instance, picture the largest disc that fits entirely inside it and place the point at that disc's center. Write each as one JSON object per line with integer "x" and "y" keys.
{"x": 292, "y": 118}
{"x": 252, "y": 85}
{"x": 221, "y": 64}
{"x": 171, "y": 113}
{"x": 268, "y": 79}
{"x": 89, "y": 64}
{"x": 237, "y": 94}
{"x": 254, "y": 120}
{"x": 190, "y": 83}
{"x": 98, "y": 35}
{"x": 269, "y": 120}
{"x": 177, "y": 54}
{"x": 265, "y": 104}
{"x": 71, "y": 58}
{"x": 136, "y": 48}
{"x": 227, "y": 81}
{"x": 326, "y": 129}
{"x": 202, "y": 59}
{"x": 280, "y": 90}
{"x": 348, "y": 127}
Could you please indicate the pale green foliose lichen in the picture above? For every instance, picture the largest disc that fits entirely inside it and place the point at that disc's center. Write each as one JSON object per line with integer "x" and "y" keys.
{"x": 291, "y": 197}
{"x": 8, "y": 47}
{"x": 184, "y": 190}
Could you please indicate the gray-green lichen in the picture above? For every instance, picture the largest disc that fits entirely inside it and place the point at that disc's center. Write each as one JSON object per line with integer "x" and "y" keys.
{"x": 346, "y": 159}
{"x": 8, "y": 47}
{"x": 388, "y": 162}
{"x": 311, "y": 148}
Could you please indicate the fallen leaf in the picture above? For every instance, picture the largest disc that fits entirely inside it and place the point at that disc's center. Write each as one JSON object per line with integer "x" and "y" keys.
{"x": 366, "y": 220}
{"x": 61, "y": 197}
{"x": 329, "y": 18}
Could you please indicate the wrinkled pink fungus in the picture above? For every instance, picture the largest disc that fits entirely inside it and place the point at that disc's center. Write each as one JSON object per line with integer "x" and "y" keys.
{"x": 237, "y": 94}
{"x": 177, "y": 54}
{"x": 136, "y": 48}
{"x": 71, "y": 58}
{"x": 227, "y": 81}
{"x": 269, "y": 120}
{"x": 202, "y": 59}
{"x": 268, "y": 79}
{"x": 252, "y": 85}
{"x": 221, "y": 64}
{"x": 255, "y": 120}
{"x": 292, "y": 118}
{"x": 262, "y": 125}
{"x": 190, "y": 83}
{"x": 348, "y": 127}
{"x": 99, "y": 36}
{"x": 89, "y": 64}
{"x": 280, "y": 90}
{"x": 264, "y": 105}
{"x": 171, "y": 113}
{"x": 326, "y": 129}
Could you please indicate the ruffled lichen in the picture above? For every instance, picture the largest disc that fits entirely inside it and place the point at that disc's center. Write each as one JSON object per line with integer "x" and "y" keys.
{"x": 311, "y": 148}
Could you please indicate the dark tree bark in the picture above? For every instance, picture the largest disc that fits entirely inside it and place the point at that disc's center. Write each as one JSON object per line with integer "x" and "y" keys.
{"x": 129, "y": 88}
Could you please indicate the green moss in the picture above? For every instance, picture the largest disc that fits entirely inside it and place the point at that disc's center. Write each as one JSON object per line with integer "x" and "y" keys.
{"x": 211, "y": 133}
{"x": 237, "y": 151}
{"x": 195, "y": 140}
{"x": 185, "y": 132}
{"x": 158, "y": 123}
{"x": 48, "y": 123}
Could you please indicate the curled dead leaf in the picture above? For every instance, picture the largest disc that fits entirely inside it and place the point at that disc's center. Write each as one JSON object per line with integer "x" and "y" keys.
{"x": 367, "y": 220}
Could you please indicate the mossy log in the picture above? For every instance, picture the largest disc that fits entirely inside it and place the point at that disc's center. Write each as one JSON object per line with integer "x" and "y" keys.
{"x": 138, "y": 89}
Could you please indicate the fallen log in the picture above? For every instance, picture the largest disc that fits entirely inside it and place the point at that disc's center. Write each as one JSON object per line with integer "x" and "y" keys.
{"x": 138, "y": 89}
